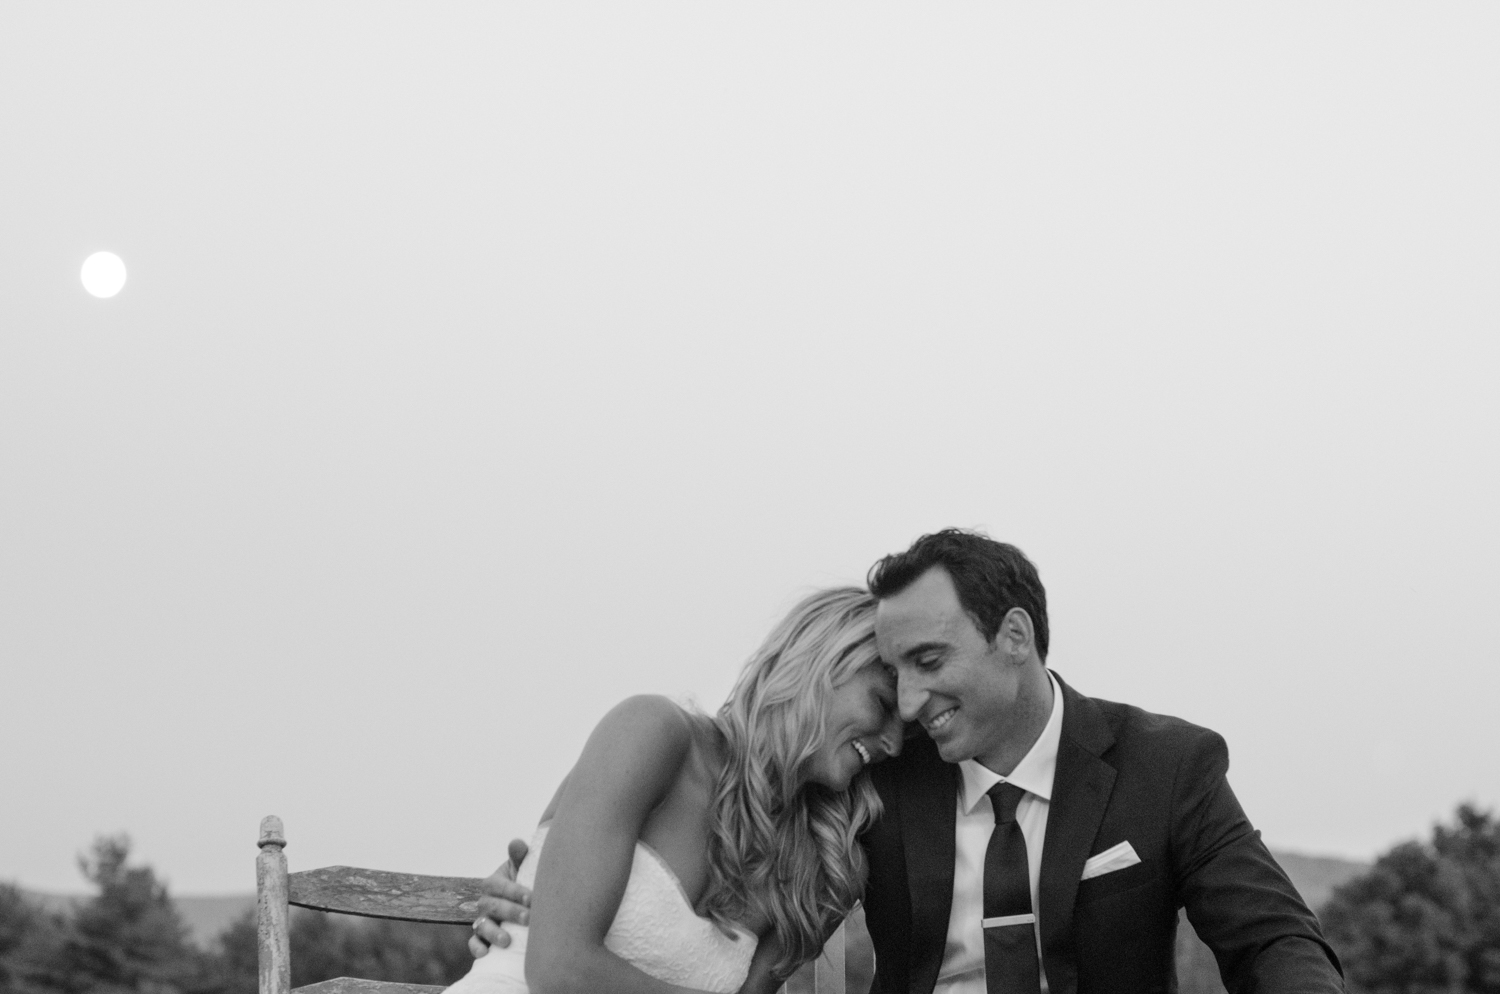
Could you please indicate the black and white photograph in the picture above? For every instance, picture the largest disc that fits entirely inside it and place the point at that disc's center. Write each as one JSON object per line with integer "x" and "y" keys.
{"x": 670, "y": 497}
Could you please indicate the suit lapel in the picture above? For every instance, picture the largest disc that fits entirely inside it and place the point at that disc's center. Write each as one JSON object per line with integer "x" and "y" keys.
{"x": 1080, "y": 792}
{"x": 929, "y": 805}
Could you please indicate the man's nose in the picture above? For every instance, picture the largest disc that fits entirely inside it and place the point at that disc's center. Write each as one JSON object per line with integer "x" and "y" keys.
{"x": 909, "y": 697}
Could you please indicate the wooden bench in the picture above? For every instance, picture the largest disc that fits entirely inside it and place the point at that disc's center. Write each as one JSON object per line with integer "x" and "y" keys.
{"x": 408, "y": 897}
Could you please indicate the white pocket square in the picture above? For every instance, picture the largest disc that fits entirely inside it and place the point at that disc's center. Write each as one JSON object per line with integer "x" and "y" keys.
{"x": 1112, "y": 859}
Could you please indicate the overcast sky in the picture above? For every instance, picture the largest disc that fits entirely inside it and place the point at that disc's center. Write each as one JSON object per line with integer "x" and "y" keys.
{"x": 480, "y": 365}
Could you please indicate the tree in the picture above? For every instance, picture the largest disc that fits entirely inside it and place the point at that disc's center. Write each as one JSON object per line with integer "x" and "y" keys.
{"x": 29, "y": 940}
{"x": 232, "y": 967}
{"x": 130, "y": 937}
{"x": 325, "y": 946}
{"x": 1426, "y": 918}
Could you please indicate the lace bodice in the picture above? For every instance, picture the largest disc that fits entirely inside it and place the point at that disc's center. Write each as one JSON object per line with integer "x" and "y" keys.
{"x": 655, "y": 929}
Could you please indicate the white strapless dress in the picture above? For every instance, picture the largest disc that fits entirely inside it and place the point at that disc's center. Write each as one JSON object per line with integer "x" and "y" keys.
{"x": 655, "y": 929}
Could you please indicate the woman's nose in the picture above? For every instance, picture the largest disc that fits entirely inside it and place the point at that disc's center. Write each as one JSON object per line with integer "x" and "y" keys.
{"x": 892, "y": 734}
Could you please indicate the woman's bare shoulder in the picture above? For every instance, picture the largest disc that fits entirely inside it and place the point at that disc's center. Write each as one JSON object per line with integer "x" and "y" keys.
{"x": 654, "y": 728}
{"x": 651, "y": 711}
{"x": 649, "y": 723}
{"x": 645, "y": 729}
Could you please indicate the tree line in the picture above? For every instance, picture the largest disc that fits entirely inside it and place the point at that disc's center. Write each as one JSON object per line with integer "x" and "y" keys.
{"x": 1425, "y": 919}
{"x": 130, "y": 939}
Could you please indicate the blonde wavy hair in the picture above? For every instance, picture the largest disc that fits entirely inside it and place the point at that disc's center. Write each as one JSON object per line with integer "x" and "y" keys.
{"x": 781, "y": 848}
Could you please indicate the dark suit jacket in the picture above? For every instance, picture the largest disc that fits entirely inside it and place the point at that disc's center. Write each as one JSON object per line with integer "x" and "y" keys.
{"x": 1123, "y": 774}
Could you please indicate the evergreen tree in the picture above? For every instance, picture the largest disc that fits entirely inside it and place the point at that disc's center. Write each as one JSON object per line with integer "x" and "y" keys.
{"x": 1426, "y": 918}
{"x": 29, "y": 940}
{"x": 129, "y": 939}
{"x": 326, "y": 946}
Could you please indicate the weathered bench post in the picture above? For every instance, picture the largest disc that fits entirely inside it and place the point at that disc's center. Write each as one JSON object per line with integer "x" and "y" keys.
{"x": 271, "y": 909}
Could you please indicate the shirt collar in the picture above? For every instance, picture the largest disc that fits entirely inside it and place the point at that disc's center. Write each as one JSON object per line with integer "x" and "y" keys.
{"x": 1033, "y": 774}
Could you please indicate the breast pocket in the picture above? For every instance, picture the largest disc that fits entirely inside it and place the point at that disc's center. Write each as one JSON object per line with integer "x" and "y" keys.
{"x": 1117, "y": 882}
{"x": 1125, "y": 922}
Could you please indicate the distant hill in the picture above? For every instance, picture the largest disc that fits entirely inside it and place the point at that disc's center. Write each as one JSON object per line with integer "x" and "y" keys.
{"x": 206, "y": 917}
{"x": 1315, "y": 877}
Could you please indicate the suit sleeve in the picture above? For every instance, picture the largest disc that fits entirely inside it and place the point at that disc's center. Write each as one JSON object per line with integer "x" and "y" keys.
{"x": 1239, "y": 900}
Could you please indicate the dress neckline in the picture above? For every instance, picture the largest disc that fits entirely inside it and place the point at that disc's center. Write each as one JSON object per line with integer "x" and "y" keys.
{"x": 666, "y": 868}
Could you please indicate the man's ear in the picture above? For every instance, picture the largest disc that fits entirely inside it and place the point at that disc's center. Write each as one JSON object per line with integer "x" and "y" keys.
{"x": 1016, "y": 637}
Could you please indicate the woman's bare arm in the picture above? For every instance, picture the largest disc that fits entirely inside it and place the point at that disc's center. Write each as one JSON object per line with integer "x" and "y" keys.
{"x": 631, "y": 761}
{"x": 760, "y": 980}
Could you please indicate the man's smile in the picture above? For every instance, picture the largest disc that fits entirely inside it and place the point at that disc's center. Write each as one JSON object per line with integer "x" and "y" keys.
{"x": 933, "y": 724}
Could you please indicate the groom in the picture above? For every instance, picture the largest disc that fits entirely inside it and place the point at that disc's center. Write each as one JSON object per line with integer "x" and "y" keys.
{"x": 1034, "y": 836}
{"x": 1035, "y": 839}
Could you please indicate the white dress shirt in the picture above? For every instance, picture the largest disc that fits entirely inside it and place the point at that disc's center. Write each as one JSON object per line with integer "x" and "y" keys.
{"x": 962, "y": 971}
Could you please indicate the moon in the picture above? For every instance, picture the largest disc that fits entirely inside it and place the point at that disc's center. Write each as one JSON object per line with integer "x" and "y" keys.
{"x": 103, "y": 274}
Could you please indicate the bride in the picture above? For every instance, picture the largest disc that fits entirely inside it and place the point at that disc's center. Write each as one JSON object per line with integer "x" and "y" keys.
{"x": 686, "y": 852}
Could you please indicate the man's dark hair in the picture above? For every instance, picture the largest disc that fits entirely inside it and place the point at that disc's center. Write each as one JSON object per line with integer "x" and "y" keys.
{"x": 990, "y": 577}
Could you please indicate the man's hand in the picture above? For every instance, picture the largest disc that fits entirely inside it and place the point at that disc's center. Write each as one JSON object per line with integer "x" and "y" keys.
{"x": 503, "y": 901}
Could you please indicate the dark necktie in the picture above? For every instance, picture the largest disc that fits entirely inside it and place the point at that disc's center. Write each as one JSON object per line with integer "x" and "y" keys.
{"x": 1010, "y": 963}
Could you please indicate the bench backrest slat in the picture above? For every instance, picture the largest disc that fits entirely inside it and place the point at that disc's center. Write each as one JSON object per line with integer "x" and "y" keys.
{"x": 408, "y": 897}
{"x": 351, "y": 985}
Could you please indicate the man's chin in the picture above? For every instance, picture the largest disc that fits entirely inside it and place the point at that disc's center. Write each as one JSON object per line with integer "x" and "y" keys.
{"x": 952, "y": 750}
